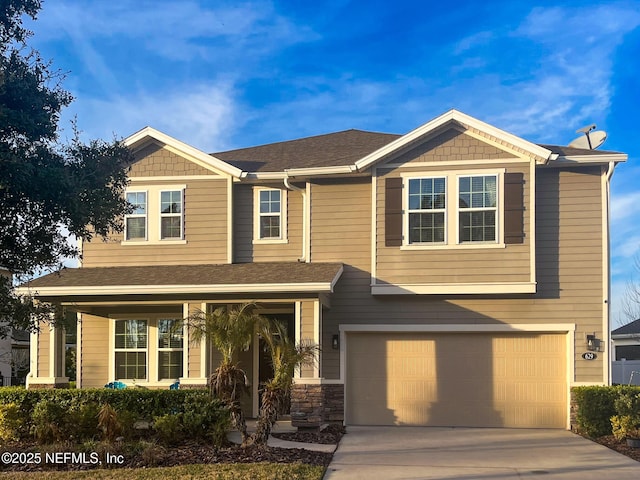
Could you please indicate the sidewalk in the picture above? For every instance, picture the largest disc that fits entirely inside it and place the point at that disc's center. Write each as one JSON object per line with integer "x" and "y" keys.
{"x": 282, "y": 426}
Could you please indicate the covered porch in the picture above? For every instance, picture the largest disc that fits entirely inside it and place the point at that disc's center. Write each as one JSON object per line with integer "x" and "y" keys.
{"x": 126, "y": 316}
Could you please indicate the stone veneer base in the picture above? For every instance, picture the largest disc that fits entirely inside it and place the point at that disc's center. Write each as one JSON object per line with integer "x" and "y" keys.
{"x": 313, "y": 405}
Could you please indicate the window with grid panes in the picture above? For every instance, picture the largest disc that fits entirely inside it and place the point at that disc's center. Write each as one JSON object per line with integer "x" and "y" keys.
{"x": 477, "y": 208}
{"x": 427, "y": 210}
{"x": 170, "y": 349}
{"x": 131, "y": 349}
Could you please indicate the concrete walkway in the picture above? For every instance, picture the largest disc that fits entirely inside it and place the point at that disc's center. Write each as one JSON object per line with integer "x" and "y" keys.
{"x": 474, "y": 453}
{"x": 282, "y": 426}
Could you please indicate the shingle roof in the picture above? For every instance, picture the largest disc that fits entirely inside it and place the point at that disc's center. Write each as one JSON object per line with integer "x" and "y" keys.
{"x": 233, "y": 274}
{"x": 571, "y": 151}
{"x": 331, "y": 150}
{"x": 628, "y": 329}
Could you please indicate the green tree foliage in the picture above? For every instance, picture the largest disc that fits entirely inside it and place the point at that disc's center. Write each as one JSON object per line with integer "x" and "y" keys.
{"x": 49, "y": 191}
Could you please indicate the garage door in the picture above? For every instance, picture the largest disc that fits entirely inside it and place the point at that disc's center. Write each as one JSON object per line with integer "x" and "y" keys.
{"x": 457, "y": 379}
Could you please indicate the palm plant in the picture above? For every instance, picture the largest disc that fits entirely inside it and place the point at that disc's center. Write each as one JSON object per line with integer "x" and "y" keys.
{"x": 285, "y": 357}
{"x": 230, "y": 329}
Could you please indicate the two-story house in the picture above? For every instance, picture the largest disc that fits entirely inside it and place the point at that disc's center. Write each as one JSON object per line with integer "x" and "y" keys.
{"x": 450, "y": 275}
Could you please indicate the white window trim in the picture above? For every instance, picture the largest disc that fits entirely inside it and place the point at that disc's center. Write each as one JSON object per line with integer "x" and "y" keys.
{"x": 152, "y": 350}
{"x": 153, "y": 223}
{"x": 452, "y": 225}
{"x": 137, "y": 215}
{"x": 256, "y": 217}
{"x": 405, "y": 208}
{"x": 168, "y": 349}
{"x": 127, "y": 350}
{"x": 499, "y": 208}
{"x": 170, "y": 215}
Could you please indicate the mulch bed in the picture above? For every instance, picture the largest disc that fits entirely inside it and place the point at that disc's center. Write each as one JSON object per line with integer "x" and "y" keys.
{"x": 329, "y": 435}
{"x": 620, "y": 447}
{"x": 187, "y": 453}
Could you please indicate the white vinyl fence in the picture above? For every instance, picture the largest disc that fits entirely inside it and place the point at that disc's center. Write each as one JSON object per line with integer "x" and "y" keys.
{"x": 626, "y": 372}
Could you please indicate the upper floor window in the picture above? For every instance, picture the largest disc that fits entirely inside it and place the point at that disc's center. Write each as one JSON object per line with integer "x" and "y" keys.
{"x": 454, "y": 209}
{"x": 158, "y": 215}
{"x": 427, "y": 210}
{"x": 136, "y": 222}
{"x": 477, "y": 208}
{"x": 171, "y": 214}
{"x": 270, "y": 215}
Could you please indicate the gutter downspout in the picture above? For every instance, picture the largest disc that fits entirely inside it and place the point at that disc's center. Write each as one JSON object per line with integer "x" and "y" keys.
{"x": 607, "y": 266}
{"x": 303, "y": 192}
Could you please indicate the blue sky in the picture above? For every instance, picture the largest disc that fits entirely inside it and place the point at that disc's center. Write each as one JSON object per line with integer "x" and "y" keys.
{"x": 220, "y": 75}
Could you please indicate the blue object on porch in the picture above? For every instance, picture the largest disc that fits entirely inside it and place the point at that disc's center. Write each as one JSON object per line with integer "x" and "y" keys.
{"x": 174, "y": 386}
{"x": 116, "y": 385}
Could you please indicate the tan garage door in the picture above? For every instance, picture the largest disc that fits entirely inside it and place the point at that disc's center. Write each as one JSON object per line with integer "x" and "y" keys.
{"x": 457, "y": 379}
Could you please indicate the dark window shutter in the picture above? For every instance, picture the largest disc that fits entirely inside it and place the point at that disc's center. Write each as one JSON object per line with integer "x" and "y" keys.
{"x": 513, "y": 208}
{"x": 393, "y": 212}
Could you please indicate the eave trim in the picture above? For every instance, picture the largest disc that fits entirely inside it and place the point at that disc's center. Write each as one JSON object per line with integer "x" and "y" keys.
{"x": 216, "y": 163}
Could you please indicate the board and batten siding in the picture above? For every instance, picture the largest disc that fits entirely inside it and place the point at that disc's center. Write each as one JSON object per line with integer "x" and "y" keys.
{"x": 94, "y": 370}
{"x": 568, "y": 263}
{"x": 244, "y": 249}
{"x": 205, "y": 232}
{"x": 453, "y": 265}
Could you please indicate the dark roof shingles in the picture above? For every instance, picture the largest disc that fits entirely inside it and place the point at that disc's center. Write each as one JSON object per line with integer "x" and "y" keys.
{"x": 329, "y": 150}
{"x": 233, "y": 274}
{"x": 628, "y": 329}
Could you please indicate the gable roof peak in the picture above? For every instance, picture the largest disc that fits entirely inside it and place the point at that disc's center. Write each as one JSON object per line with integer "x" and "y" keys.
{"x": 142, "y": 137}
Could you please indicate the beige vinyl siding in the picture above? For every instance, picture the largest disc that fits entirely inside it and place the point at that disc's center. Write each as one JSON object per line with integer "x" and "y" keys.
{"x": 244, "y": 249}
{"x": 44, "y": 341}
{"x": 156, "y": 161}
{"x": 307, "y": 331}
{"x": 568, "y": 264}
{"x": 205, "y": 231}
{"x": 452, "y": 145}
{"x": 94, "y": 350}
{"x": 341, "y": 232}
{"x": 452, "y": 265}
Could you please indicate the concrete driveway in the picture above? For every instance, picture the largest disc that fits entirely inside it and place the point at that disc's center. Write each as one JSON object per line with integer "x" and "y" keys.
{"x": 474, "y": 453}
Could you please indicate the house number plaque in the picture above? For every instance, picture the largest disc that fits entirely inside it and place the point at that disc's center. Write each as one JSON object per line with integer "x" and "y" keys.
{"x": 589, "y": 356}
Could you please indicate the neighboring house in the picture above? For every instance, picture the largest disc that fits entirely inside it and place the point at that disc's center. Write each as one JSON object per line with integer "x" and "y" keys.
{"x": 625, "y": 354}
{"x": 14, "y": 352}
{"x": 450, "y": 275}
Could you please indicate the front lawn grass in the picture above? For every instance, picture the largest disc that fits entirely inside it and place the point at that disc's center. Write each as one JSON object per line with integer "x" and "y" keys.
{"x": 220, "y": 471}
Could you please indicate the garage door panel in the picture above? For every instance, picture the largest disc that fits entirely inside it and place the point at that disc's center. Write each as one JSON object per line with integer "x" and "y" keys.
{"x": 457, "y": 379}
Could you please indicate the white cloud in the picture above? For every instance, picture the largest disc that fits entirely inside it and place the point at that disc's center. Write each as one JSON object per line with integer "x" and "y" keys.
{"x": 623, "y": 206}
{"x": 174, "y": 29}
{"x": 200, "y": 115}
{"x": 562, "y": 80}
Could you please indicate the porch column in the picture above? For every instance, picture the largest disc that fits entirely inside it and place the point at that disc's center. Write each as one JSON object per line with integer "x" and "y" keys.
{"x": 47, "y": 368}
{"x": 314, "y": 400}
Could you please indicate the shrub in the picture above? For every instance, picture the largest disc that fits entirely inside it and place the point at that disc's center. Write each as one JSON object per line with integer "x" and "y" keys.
{"x": 626, "y": 422}
{"x": 49, "y": 422}
{"x": 595, "y": 407}
{"x": 109, "y": 423}
{"x": 11, "y": 422}
{"x": 169, "y": 428}
{"x": 62, "y": 414}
